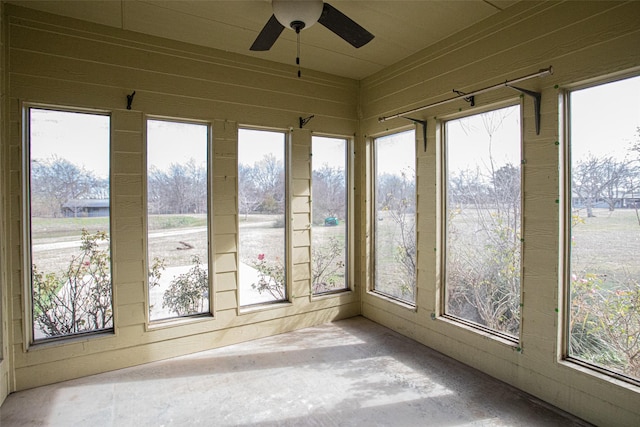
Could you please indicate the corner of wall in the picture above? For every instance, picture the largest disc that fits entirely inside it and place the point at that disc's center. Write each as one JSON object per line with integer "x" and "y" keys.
{"x": 4, "y": 317}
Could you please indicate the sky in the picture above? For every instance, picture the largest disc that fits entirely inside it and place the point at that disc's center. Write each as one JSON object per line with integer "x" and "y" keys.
{"x": 395, "y": 153}
{"x": 83, "y": 139}
{"x": 176, "y": 142}
{"x": 605, "y": 119}
{"x": 473, "y": 140}
{"x": 328, "y": 151}
{"x": 253, "y": 145}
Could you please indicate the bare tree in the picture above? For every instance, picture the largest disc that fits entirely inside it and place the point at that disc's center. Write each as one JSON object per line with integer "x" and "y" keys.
{"x": 268, "y": 177}
{"x": 181, "y": 189}
{"x": 56, "y": 181}
{"x": 396, "y": 195}
{"x": 261, "y": 186}
{"x": 329, "y": 197}
{"x": 249, "y": 197}
{"x": 604, "y": 179}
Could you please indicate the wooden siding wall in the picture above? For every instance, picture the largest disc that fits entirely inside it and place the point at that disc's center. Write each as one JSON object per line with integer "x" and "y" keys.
{"x": 582, "y": 41}
{"x": 65, "y": 62}
{"x": 4, "y": 318}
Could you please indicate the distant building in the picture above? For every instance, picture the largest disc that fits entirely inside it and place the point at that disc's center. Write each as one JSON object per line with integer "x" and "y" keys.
{"x": 86, "y": 208}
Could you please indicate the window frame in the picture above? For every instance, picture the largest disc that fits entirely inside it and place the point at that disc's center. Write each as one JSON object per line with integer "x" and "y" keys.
{"x": 443, "y": 223}
{"x": 371, "y": 288}
{"x": 26, "y": 227}
{"x": 288, "y": 262}
{"x": 180, "y": 320}
{"x": 348, "y": 156}
{"x": 564, "y": 277}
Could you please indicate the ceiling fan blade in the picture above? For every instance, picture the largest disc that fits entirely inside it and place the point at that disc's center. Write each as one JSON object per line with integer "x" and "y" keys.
{"x": 268, "y": 35}
{"x": 344, "y": 26}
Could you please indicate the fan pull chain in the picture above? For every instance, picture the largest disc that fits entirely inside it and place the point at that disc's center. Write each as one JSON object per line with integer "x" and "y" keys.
{"x": 298, "y": 52}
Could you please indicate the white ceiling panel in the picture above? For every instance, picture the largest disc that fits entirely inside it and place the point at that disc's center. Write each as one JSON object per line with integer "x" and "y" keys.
{"x": 401, "y": 28}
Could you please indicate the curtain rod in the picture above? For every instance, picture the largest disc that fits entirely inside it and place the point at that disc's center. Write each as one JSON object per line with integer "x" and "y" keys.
{"x": 541, "y": 73}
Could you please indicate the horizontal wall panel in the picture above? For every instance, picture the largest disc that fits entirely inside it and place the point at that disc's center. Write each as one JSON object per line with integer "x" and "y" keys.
{"x": 301, "y": 205}
{"x": 301, "y": 221}
{"x": 225, "y": 243}
{"x": 225, "y": 281}
{"x": 301, "y": 238}
{"x": 126, "y": 141}
{"x": 301, "y": 255}
{"x": 225, "y": 262}
{"x": 301, "y": 187}
{"x": 129, "y": 270}
{"x": 127, "y": 185}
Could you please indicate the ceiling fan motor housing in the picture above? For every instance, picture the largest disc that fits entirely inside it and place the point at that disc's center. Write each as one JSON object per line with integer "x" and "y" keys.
{"x": 297, "y": 14}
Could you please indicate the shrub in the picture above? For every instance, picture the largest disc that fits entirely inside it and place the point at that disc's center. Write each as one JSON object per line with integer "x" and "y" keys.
{"x": 78, "y": 299}
{"x": 188, "y": 293}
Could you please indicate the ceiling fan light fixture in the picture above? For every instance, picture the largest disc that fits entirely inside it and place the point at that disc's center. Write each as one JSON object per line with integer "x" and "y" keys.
{"x": 297, "y": 14}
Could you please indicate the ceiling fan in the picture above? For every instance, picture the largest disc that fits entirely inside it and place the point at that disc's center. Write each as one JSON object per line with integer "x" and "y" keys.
{"x": 300, "y": 14}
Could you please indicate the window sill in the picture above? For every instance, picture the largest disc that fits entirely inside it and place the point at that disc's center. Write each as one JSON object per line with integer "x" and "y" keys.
{"x": 248, "y": 309}
{"x": 48, "y": 343}
{"x": 396, "y": 301}
{"x": 507, "y": 340}
{"x": 601, "y": 374}
{"x": 331, "y": 294}
{"x": 155, "y": 325}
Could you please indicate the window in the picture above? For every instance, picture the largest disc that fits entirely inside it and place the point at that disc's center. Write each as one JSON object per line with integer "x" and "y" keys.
{"x": 603, "y": 227}
{"x": 482, "y": 219}
{"x": 395, "y": 216}
{"x": 68, "y": 201}
{"x": 262, "y": 216}
{"x": 329, "y": 214}
{"x": 177, "y": 219}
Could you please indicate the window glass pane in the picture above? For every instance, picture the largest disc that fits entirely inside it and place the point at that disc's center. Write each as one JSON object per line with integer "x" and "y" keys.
{"x": 177, "y": 221}
{"x": 395, "y": 216}
{"x": 329, "y": 214}
{"x": 69, "y": 204}
{"x": 483, "y": 213}
{"x": 604, "y": 264}
{"x": 261, "y": 193}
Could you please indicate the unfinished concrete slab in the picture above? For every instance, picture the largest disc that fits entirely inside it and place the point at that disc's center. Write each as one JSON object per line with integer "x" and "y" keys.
{"x": 348, "y": 373}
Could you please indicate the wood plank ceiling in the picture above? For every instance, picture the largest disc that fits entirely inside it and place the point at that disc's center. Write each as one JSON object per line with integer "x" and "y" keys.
{"x": 401, "y": 28}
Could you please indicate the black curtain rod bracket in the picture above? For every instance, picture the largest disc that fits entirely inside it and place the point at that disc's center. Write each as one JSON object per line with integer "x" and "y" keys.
{"x": 424, "y": 130}
{"x": 130, "y": 99}
{"x": 304, "y": 121}
{"x": 537, "y": 97}
{"x": 470, "y": 99}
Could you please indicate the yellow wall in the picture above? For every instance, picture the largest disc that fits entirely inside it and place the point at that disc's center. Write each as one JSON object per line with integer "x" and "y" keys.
{"x": 65, "y": 62}
{"x": 60, "y": 61}
{"x": 582, "y": 41}
{"x": 4, "y": 318}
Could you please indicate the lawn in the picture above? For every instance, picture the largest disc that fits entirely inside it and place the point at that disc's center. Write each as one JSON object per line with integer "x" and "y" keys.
{"x": 44, "y": 230}
{"x": 607, "y": 244}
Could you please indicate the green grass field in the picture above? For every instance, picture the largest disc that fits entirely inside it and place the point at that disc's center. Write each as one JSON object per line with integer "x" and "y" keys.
{"x": 61, "y": 229}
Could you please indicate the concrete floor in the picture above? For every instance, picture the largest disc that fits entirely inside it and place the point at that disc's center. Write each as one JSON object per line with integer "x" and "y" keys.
{"x": 348, "y": 373}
